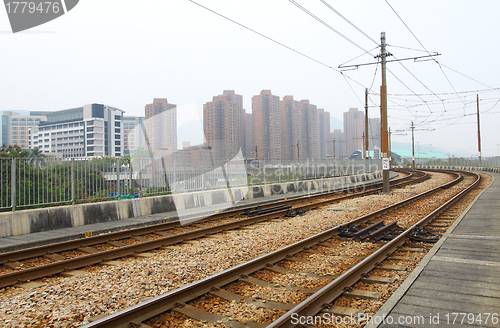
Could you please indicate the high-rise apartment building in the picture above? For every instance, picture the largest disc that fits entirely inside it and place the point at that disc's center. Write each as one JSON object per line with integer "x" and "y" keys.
{"x": 310, "y": 131}
{"x": 338, "y": 140}
{"x": 291, "y": 127}
{"x": 15, "y": 127}
{"x": 88, "y": 131}
{"x": 374, "y": 132}
{"x": 133, "y": 134}
{"x": 324, "y": 127}
{"x": 223, "y": 124}
{"x": 161, "y": 125}
{"x": 354, "y": 127}
{"x": 249, "y": 149}
{"x": 267, "y": 125}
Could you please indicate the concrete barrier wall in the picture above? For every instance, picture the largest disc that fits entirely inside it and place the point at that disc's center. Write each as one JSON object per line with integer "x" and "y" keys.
{"x": 52, "y": 218}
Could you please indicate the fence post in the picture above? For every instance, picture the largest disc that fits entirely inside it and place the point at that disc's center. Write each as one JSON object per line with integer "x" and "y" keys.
{"x": 202, "y": 175}
{"x": 118, "y": 178}
{"x": 73, "y": 181}
{"x": 140, "y": 177}
{"x": 174, "y": 177}
{"x": 130, "y": 180}
{"x": 264, "y": 170}
{"x": 13, "y": 184}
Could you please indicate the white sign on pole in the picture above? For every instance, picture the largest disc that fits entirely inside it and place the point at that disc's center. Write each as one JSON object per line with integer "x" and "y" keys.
{"x": 385, "y": 163}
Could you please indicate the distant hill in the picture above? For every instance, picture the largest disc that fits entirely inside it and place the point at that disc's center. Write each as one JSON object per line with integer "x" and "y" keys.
{"x": 335, "y": 123}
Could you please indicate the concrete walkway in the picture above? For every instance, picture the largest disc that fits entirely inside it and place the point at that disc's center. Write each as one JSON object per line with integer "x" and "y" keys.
{"x": 461, "y": 274}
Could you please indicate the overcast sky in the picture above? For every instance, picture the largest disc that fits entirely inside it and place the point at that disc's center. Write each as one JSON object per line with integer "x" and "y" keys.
{"x": 124, "y": 53}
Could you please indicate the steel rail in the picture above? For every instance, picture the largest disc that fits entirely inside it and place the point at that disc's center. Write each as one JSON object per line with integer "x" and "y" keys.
{"x": 56, "y": 267}
{"x": 32, "y": 273}
{"x": 165, "y": 302}
{"x": 315, "y": 303}
{"x": 95, "y": 240}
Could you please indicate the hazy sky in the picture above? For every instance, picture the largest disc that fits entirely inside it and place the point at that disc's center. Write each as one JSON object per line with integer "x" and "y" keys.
{"x": 124, "y": 53}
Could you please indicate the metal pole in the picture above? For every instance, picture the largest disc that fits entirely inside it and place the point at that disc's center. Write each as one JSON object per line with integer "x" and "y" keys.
{"x": 478, "y": 132}
{"x": 384, "y": 126}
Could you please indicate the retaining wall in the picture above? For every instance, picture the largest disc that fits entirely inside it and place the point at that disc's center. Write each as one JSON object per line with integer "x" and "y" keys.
{"x": 52, "y": 218}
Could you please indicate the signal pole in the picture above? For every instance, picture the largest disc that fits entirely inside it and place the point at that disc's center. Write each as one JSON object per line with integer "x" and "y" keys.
{"x": 366, "y": 124}
{"x": 384, "y": 126}
{"x": 478, "y": 131}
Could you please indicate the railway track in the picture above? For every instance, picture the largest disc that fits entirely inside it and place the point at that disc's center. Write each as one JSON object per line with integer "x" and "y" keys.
{"x": 342, "y": 270}
{"x": 30, "y": 264}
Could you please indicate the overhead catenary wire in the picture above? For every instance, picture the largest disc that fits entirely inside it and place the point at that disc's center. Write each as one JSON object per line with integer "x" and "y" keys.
{"x": 367, "y": 36}
{"x": 326, "y": 25}
{"x": 386, "y": 1}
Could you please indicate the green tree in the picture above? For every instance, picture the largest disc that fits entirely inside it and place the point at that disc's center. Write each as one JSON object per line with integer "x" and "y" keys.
{"x": 12, "y": 151}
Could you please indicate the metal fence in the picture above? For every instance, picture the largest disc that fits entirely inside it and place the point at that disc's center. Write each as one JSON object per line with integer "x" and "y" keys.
{"x": 36, "y": 182}
{"x": 456, "y": 161}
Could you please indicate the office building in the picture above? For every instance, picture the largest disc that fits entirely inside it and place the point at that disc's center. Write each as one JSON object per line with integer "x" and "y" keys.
{"x": 88, "y": 131}
{"x": 15, "y": 127}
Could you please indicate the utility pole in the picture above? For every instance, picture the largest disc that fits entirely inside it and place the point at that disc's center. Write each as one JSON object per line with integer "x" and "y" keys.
{"x": 384, "y": 133}
{"x": 412, "y": 146}
{"x": 478, "y": 131}
{"x": 384, "y": 126}
{"x": 298, "y": 150}
{"x": 366, "y": 124}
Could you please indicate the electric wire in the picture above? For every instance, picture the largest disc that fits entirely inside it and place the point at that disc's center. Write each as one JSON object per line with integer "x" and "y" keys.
{"x": 386, "y": 1}
{"x": 326, "y": 25}
{"x": 277, "y": 42}
{"x": 366, "y": 35}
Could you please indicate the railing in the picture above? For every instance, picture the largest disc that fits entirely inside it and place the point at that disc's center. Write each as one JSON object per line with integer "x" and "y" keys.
{"x": 38, "y": 182}
{"x": 457, "y": 161}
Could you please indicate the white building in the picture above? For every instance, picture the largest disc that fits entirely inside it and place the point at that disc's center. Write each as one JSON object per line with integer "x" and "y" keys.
{"x": 88, "y": 131}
